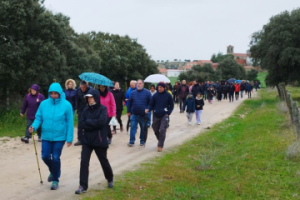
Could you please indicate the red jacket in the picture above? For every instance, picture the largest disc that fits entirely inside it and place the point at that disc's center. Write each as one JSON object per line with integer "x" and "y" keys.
{"x": 237, "y": 88}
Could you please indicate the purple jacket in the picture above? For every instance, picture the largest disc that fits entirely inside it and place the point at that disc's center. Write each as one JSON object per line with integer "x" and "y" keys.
{"x": 31, "y": 104}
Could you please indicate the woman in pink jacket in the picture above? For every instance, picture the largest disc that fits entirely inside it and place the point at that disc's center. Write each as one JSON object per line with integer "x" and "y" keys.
{"x": 107, "y": 99}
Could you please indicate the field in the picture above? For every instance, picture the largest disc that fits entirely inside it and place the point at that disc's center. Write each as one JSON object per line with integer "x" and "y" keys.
{"x": 243, "y": 157}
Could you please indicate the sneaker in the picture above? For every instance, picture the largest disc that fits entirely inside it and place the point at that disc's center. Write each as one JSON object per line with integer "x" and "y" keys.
{"x": 142, "y": 144}
{"x": 25, "y": 139}
{"x": 108, "y": 141}
{"x": 130, "y": 145}
{"x": 159, "y": 149}
{"x": 110, "y": 184}
{"x": 78, "y": 143}
{"x": 80, "y": 190}
{"x": 50, "y": 178}
{"x": 190, "y": 123}
{"x": 54, "y": 185}
{"x": 40, "y": 139}
{"x": 198, "y": 123}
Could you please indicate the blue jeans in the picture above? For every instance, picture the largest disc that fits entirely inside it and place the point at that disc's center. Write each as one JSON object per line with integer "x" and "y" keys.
{"x": 51, "y": 152}
{"x": 205, "y": 95}
{"x": 149, "y": 116}
{"x": 135, "y": 119}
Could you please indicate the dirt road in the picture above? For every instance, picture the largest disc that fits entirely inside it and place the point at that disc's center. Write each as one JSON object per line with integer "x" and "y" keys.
{"x": 19, "y": 174}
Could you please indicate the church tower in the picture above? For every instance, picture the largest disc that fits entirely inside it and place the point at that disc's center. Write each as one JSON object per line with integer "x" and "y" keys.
{"x": 230, "y": 49}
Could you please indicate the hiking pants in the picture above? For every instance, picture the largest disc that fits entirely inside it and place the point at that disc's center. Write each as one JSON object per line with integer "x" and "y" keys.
{"x": 242, "y": 94}
{"x": 181, "y": 100}
{"x": 118, "y": 117}
{"x": 135, "y": 120}
{"x": 29, "y": 123}
{"x": 225, "y": 95}
{"x": 237, "y": 95}
{"x": 189, "y": 116}
{"x": 160, "y": 125}
{"x": 101, "y": 153}
{"x": 109, "y": 135}
{"x": 198, "y": 116}
{"x": 230, "y": 96}
{"x": 249, "y": 94}
{"x": 51, "y": 152}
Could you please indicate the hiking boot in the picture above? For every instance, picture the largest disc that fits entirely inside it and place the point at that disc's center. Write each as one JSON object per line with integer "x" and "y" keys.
{"x": 159, "y": 149}
{"x": 80, "y": 190}
{"x": 25, "y": 139}
{"x": 121, "y": 128}
{"x": 108, "y": 141}
{"x": 78, "y": 143}
{"x": 130, "y": 145}
{"x": 54, "y": 185}
{"x": 110, "y": 184}
{"x": 142, "y": 144}
{"x": 50, "y": 178}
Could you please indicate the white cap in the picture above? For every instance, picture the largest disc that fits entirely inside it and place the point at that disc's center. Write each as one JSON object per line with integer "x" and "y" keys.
{"x": 88, "y": 95}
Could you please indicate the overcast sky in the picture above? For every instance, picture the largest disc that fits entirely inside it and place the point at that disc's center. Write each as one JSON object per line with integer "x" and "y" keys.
{"x": 175, "y": 29}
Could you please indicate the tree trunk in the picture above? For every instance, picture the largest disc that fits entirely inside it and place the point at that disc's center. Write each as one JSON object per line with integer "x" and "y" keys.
{"x": 278, "y": 90}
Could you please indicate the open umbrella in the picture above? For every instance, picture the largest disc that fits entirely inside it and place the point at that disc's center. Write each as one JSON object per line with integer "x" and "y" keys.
{"x": 232, "y": 80}
{"x": 238, "y": 81}
{"x": 156, "y": 78}
{"x": 96, "y": 78}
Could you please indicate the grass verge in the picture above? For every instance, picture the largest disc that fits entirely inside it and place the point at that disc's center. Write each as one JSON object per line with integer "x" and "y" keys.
{"x": 243, "y": 157}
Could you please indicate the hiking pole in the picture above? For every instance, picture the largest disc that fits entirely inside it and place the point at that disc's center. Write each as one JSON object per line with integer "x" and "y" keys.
{"x": 37, "y": 160}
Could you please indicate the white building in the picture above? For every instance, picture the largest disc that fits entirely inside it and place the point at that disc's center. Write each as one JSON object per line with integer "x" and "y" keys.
{"x": 174, "y": 72}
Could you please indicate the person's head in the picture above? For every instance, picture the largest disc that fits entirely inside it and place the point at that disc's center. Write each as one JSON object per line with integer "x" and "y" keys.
{"x": 132, "y": 84}
{"x": 176, "y": 83}
{"x": 34, "y": 89}
{"x": 54, "y": 95}
{"x": 198, "y": 95}
{"x": 140, "y": 84}
{"x": 183, "y": 82}
{"x": 194, "y": 82}
{"x": 190, "y": 95}
{"x": 91, "y": 100}
{"x": 83, "y": 86}
{"x": 117, "y": 85}
{"x": 102, "y": 88}
{"x": 152, "y": 88}
{"x": 161, "y": 87}
{"x": 167, "y": 87}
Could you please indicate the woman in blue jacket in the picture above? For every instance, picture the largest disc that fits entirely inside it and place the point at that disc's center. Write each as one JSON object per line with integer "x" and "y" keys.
{"x": 56, "y": 116}
{"x": 189, "y": 104}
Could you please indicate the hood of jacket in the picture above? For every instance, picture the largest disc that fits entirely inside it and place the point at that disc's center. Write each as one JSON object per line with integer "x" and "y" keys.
{"x": 190, "y": 97}
{"x": 96, "y": 96}
{"x": 55, "y": 87}
{"x": 73, "y": 82}
{"x": 35, "y": 87}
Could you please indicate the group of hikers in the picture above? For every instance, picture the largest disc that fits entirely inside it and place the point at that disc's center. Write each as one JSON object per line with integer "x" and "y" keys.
{"x": 53, "y": 118}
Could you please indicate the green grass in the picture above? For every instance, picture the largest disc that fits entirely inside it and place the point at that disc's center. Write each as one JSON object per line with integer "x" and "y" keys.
{"x": 295, "y": 92}
{"x": 173, "y": 80}
{"x": 261, "y": 77}
{"x": 242, "y": 157}
{"x": 11, "y": 123}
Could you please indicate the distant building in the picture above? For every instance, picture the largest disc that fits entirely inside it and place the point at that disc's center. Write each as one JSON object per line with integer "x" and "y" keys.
{"x": 189, "y": 65}
{"x": 174, "y": 72}
{"x": 202, "y": 62}
{"x": 242, "y": 58}
{"x": 163, "y": 71}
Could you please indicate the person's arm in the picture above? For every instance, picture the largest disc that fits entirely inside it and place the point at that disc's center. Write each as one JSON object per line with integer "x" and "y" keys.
{"x": 171, "y": 105}
{"x": 185, "y": 103}
{"x": 152, "y": 103}
{"x": 130, "y": 101}
{"x": 77, "y": 100}
{"x": 100, "y": 121}
{"x": 38, "y": 118}
{"x": 113, "y": 104}
{"x": 24, "y": 106}
{"x": 70, "y": 124}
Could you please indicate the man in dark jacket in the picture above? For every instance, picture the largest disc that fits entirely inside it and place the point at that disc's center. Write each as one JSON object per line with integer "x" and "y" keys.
{"x": 119, "y": 99}
{"x": 138, "y": 107}
{"x": 162, "y": 105}
{"x": 225, "y": 90}
{"x": 81, "y": 104}
{"x": 243, "y": 87}
{"x": 93, "y": 124}
{"x": 197, "y": 88}
{"x": 219, "y": 92}
{"x": 183, "y": 91}
{"x": 231, "y": 92}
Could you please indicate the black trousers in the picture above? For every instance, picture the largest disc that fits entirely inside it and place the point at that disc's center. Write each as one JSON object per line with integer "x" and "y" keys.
{"x": 225, "y": 95}
{"x": 119, "y": 114}
{"x": 160, "y": 125}
{"x": 86, "y": 153}
{"x": 181, "y": 100}
{"x": 109, "y": 135}
{"x": 79, "y": 131}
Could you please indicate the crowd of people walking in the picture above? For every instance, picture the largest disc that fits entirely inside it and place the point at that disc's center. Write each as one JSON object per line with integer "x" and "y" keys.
{"x": 53, "y": 118}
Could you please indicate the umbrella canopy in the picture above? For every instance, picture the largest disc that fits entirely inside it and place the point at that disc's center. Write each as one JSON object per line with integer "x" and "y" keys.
{"x": 231, "y": 80}
{"x": 96, "y": 79}
{"x": 238, "y": 81}
{"x": 156, "y": 78}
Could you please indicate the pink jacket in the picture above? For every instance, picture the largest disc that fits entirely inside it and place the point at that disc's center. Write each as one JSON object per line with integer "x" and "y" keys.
{"x": 109, "y": 103}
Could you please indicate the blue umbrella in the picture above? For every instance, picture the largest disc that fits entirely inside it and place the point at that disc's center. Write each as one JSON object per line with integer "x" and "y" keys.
{"x": 96, "y": 79}
{"x": 232, "y": 80}
{"x": 238, "y": 81}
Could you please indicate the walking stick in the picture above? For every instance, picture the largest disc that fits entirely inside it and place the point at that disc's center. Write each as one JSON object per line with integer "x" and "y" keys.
{"x": 37, "y": 160}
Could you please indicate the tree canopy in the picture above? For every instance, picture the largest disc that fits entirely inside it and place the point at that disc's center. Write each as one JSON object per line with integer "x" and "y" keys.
{"x": 200, "y": 74}
{"x": 229, "y": 68}
{"x": 276, "y": 48}
{"x": 37, "y": 46}
{"x": 220, "y": 57}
